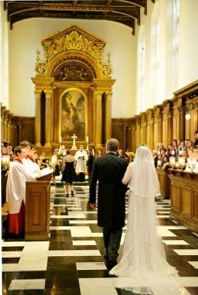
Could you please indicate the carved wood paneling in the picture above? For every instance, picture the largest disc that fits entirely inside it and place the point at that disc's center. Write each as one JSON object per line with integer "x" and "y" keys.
{"x": 37, "y": 210}
{"x": 184, "y": 198}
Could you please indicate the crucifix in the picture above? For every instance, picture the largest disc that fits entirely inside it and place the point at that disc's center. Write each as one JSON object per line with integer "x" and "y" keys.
{"x": 74, "y": 147}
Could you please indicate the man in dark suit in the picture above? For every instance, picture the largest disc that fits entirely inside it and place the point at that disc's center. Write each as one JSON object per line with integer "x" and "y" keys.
{"x": 109, "y": 170}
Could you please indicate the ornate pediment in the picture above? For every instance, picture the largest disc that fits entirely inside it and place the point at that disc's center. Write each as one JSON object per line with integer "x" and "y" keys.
{"x": 73, "y": 38}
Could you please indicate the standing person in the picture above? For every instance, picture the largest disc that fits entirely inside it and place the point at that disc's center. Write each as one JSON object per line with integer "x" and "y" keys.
{"x": 143, "y": 268}
{"x": 81, "y": 158}
{"x": 55, "y": 166}
{"x": 69, "y": 174}
{"x": 109, "y": 170}
{"x": 90, "y": 162}
{"x": 100, "y": 153}
{"x": 15, "y": 192}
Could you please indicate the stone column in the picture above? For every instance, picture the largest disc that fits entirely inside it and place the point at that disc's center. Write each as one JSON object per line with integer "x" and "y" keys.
{"x": 48, "y": 122}
{"x": 98, "y": 121}
{"x": 108, "y": 124}
{"x": 38, "y": 119}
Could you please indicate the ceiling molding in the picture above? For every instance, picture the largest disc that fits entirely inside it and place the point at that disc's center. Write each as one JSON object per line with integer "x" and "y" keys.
{"x": 126, "y": 12}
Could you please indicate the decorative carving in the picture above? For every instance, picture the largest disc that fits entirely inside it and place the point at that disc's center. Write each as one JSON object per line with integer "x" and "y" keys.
{"x": 70, "y": 39}
{"x": 73, "y": 71}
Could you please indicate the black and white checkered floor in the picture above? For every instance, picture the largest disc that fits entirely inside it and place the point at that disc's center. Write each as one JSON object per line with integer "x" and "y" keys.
{"x": 71, "y": 262}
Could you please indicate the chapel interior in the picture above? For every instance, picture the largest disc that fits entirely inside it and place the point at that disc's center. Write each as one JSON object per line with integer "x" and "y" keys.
{"x": 76, "y": 73}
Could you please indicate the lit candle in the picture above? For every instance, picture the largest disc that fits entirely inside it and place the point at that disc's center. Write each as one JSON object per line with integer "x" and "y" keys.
{"x": 173, "y": 153}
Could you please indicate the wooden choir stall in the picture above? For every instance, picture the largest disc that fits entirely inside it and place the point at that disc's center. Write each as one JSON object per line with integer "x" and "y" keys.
{"x": 37, "y": 217}
{"x": 184, "y": 198}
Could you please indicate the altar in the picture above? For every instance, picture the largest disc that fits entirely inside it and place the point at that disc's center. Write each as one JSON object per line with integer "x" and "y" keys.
{"x": 73, "y": 91}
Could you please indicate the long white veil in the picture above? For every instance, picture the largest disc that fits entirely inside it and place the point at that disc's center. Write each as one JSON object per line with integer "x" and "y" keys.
{"x": 144, "y": 182}
{"x": 143, "y": 268}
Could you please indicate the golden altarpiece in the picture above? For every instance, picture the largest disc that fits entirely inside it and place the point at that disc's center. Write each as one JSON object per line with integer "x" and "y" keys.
{"x": 73, "y": 90}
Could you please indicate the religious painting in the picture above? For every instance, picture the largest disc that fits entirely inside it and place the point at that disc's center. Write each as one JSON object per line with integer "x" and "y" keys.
{"x": 73, "y": 115}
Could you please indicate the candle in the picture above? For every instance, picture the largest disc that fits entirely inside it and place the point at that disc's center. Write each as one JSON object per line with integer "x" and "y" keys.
{"x": 60, "y": 139}
{"x": 87, "y": 139}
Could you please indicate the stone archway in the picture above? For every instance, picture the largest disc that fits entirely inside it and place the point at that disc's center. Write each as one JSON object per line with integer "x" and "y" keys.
{"x": 73, "y": 59}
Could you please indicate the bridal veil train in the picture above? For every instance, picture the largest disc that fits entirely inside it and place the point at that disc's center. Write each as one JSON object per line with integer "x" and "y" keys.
{"x": 143, "y": 268}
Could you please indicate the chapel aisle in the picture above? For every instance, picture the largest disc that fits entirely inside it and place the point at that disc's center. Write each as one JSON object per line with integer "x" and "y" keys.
{"x": 71, "y": 262}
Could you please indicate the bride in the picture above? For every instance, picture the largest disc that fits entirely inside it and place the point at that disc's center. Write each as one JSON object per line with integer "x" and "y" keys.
{"x": 143, "y": 268}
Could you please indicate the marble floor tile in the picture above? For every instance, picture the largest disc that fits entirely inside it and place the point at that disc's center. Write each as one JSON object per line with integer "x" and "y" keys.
{"x": 32, "y": 263}
{"x": 59, "y": 253}
{"x": 36, "y": 284}
{"x": 189, "y": 281}
{"x": 83, "y": 221}
{"x": 84, "y": 243}
{"x": 90, "y": 266}
{"x": 14, "y": 244}
{"x": 175, "y": 242}
{"x": 10, "y": 267}
{"x": 14, "y": 254}
{"x": 187, "y": 252}
{"x": 91, "y": 290}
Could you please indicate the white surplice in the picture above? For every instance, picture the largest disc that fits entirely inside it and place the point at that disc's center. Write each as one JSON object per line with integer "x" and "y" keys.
{"x": 31, "y": 167}
{"x": 81, "y": 158}
{"x": 16, "y": 186}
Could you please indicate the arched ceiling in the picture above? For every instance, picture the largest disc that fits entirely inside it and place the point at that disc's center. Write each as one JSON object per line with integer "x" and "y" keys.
{"x": 126, "y": 12}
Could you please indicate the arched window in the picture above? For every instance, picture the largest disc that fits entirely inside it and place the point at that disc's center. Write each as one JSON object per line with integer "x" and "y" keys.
{"x": 155, "y": 78}
{"x": 141, "y": 103}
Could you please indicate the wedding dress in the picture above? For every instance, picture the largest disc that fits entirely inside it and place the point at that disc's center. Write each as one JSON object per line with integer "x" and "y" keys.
{"x": 143, "y": 268}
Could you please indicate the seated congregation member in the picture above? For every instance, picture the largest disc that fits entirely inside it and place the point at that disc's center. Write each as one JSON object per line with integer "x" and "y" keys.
{"x": 15, "y": 192}
{"x": 166, "y": 163}
{"x": 69, "y": 174}
{"x": 155, "y": 157}
{"x": 196, "y": 139}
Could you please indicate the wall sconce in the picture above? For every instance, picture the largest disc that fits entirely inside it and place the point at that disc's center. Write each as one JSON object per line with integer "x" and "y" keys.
{"x": 187, "y": 116}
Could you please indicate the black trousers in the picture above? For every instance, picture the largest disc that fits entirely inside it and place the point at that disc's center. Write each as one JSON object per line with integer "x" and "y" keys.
{"x": 81, "y": 176}
{"x": 112, "y": 238}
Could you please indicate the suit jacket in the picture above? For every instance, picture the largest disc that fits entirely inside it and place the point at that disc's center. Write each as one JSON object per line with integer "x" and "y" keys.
{"x": 90, "y": 164}
{"x": 109, "y": 170}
